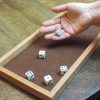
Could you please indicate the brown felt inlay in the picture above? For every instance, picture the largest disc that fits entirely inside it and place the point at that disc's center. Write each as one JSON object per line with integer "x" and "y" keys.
{"x": 64, "y": 52}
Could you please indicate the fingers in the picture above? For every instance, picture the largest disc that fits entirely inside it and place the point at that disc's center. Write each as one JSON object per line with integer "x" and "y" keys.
{"x": 53, "y": 36}
{"x": 60, "y": 8}
{"x": 49, "y": 36}
{"x": 51, "y": 22}
{"x": 60, "y": 38}
{"x": 49, "y": 29}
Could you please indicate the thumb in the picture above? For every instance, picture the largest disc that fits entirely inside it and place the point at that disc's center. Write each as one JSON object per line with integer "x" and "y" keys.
{"x": 60, "y": 8}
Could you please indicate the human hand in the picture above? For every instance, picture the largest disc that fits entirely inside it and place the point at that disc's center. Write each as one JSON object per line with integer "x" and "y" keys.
{"x": 76, "y": 19}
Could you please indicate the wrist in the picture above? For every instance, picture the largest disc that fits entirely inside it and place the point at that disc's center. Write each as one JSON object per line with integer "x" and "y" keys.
{"x": 95, "y": 11}
{"x": 96, "y": 5}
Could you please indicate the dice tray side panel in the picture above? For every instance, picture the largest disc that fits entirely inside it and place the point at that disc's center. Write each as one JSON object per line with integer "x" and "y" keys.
{"x": 33, "y": 88}
{"x": 66, "y": 79}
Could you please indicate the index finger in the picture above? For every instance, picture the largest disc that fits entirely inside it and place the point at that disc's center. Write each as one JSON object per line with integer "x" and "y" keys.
{"x": 52, "y": 22}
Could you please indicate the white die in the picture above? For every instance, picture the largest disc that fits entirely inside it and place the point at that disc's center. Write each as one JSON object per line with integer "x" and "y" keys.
{"x": 48, "y": 80}
{"x": 42, "y": 53}
{"x": 59, "y": 32}
{"x": 63, "y": 69}
{"x": 29, "y": 75}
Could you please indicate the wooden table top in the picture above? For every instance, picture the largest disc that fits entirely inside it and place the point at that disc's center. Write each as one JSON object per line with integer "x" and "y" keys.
{"x": 19, "y": 19}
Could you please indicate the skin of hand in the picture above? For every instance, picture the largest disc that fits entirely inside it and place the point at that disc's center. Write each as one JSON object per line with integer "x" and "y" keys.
{"x": 76, "y": 19}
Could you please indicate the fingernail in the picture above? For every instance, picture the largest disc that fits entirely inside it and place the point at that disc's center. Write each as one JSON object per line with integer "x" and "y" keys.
{"x": 47, "y": 37}
{"x": 41, "y": 30}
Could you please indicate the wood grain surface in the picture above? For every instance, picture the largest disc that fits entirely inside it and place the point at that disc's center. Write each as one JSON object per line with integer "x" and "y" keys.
{"x": 19, "y": 19}
{"x": 64, "y": 52}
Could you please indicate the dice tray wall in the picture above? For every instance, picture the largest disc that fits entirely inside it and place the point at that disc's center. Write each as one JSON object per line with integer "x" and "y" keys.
{"x": 72, "y": 52}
